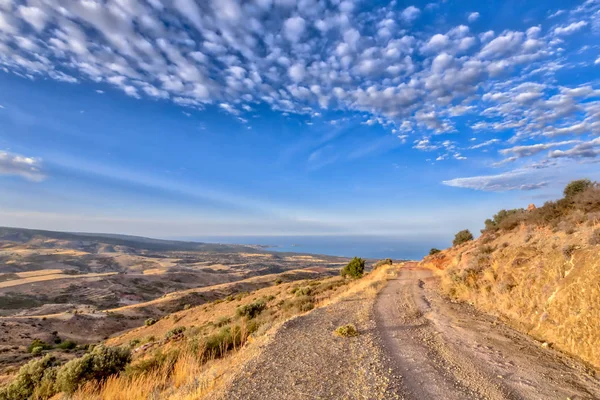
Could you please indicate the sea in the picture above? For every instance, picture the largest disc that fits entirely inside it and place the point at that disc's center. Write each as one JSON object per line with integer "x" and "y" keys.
{"x": 376, "y": 247}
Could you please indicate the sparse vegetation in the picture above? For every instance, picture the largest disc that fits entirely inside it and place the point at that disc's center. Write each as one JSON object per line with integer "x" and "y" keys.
{"x": 462, "y": 237}
{"x": 576, "y": 187}
{"x": 251, "y": 310}
{"x": 149, "y": 322}
{"x": 38, "y": 345}
{"x": 34, "y": 380}
{"x": 537, "y": 275}
{"x": 96, "y": 365}
{"x": 66, "y": 345}
{"x": 346, "y": 331}
{"x": 43, "y": 378}
{"x": 387, "y": 261}
{"x": 355, "y": 268}
{"x": 434, "y": 251}
{"x": 175, "y": 332}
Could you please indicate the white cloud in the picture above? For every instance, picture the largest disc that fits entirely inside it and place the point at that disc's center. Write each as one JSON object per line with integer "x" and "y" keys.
{"x": 520, "y": 179}
{"x": 35, "y": 16}
{"x": 297, "y": 72}
{"x": 474, "y": 16}
{"x": 410, "y": 13}
{"x": 570, "y": 29}
{"x": 294, "y": 28}
{"x": 16, "y": 164}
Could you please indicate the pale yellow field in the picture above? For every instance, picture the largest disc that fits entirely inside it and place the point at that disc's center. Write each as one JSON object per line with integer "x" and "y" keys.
{"x": 41, "y": 272}
{"x": 48, "y": 277}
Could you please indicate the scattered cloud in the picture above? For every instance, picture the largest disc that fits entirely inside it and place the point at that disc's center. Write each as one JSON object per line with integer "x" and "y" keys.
{"x": 512, "y": 180}
{"x": 312, "y": 56}
{"x": 474, "y": 16}
{"x": 26, "y": 167}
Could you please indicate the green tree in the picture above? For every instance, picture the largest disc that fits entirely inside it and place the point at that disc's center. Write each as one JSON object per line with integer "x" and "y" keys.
{"x": 434, "y": 251}
{"x": 578, "y": 186}
{"x": 354, "y": 269}
{"x": 462, "y": 237}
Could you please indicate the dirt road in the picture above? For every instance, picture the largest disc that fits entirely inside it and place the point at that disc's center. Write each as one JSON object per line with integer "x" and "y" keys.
{"x": 445, "y": 350}
{"x": 413, "y": 344}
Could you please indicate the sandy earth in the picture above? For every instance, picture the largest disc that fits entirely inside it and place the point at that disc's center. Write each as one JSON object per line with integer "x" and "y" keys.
{"x": 414, "y": 344}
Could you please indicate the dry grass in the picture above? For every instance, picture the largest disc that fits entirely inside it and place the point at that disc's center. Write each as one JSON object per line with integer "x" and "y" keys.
{"x": 49, "y": 277}
{"x": 196, "y": 373}
{"x": 544, "y": 283}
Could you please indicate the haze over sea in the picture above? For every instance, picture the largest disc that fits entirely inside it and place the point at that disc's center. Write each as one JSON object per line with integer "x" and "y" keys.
{"x": 346, "y": 246}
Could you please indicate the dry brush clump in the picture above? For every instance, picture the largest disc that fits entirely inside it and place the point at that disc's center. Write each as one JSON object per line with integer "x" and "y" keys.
{"x": 538, "y": 269}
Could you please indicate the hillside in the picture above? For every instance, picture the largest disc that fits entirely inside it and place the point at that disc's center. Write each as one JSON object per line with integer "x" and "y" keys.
{"x": 537, "y": 269}
{"x": 57, "y": 286}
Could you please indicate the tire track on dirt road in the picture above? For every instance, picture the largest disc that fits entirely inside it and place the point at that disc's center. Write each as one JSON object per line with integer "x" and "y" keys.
{"x": 444, "y": 350}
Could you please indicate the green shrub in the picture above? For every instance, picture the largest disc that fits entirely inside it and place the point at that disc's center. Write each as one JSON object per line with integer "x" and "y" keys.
{"x": 305, "y": 291}
{"x": 576, "y": 187}
{"x": 174, "y": 332}
{"x": 251, "y": 310}
{"x": 354, "y": 269}
{"x": 462, "y": 237}
{"x": 346, "y": 331}
{"x": 97, "y": 365}
{"x": 434, "y": 251}
{"x": 228, "y": 338}
{"x": 40, "y": 344}
{"x": 278, "y": 281}
{"x": 34, "y": 380}
{"x": 66, "y": 345}
{"x": 149, "y": 322}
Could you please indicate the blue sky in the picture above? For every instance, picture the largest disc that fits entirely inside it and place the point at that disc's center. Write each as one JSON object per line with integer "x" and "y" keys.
{"x": 265, "y": 117}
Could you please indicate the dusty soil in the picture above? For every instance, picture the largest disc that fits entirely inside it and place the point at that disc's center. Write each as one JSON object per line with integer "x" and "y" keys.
{"x": 305, "y": 360}
{"x": 414, "y": 344}
{"x": 449, "y": 350}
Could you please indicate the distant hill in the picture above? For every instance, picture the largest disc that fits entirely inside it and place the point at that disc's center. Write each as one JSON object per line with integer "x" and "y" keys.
{"x": 45, "y": 238}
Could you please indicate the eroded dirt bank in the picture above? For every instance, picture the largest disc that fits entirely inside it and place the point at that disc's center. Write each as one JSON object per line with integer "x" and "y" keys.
{"x": 445, "y": 350}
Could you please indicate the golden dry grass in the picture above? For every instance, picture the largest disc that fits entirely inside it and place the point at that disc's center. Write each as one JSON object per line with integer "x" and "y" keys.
{"x": 49, "y": 277}
{"x": 195, "y": 377}
{"x": 544, "y": 283}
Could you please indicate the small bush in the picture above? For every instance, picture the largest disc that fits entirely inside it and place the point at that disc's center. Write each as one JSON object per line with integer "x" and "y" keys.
{"x": 462, "y": 237}
{"x": 354, "y": 269}
{"x": 67, "y": 345}
{"x": 97, "y": 365}
{"x": 346, "y": 331}
{"x": 34, "y": 380}
{"x": 149, "y": 322}
{"x": 38, "y": 344}
{"x": 222, "y": 321}
{"x": 251, "y": 310}
{"x": 387, "y": 261}
{"x": 576, "y": 187}
{"x": 226, "y": 339}
{"x": 175, "y": 332}
{"x": 278, "y": 281}
{"x": 305, "y": 291}
{"x": 434, "y": 251}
